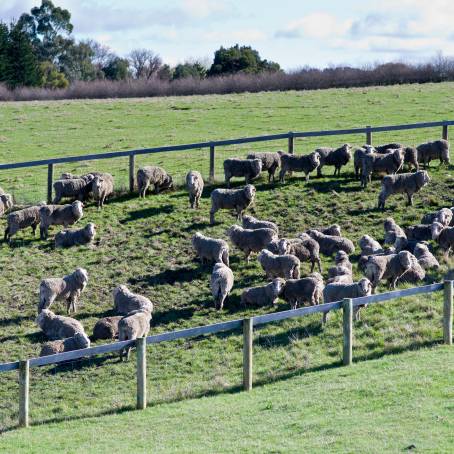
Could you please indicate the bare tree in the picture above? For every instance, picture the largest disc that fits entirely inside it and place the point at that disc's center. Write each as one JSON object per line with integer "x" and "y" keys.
{"x": 145, "y": 63}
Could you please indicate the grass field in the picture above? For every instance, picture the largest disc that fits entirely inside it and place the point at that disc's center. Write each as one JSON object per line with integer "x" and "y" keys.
{"x": 146, "y": 244}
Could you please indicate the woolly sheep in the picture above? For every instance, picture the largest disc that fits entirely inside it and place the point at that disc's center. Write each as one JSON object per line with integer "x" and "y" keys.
{"x": 106, "y": 328}
{"x": 389, "y": 163}
{"x": 415, "y": 273}
{"x": 305, "y": 248}
{"x": 443, "y": 216}
{"x": 271, "y": 161}
{"x": 65, "y": 215}
{"x": 250, "y": 222}
{"x": 211, "y": 249}
{"x": 194, "y": 185}
{"x": 221, "y": 284}
{"x": 21, "y": 219}
{"x": 369, "y": 246}
{"x": 336, "y": 157}
{"x": 250, "y": 240}
{"x": 78, "y": 342}
{"x": 126, "y": 301}
{"x": 153, "y": 175}
{"x": 266, "y": 295}
{"x": 439, "y": 149}
{"x": 285, "y": 266}
{"x": 292, "y": 163}
{"x": 102, "y": 187}
{"x": 358, "y": 157}
{"x": 6, "y": 203}
{"x": 232, "y": 199}
{"x": 408, "y": 183}
{"x": 247, "y": 168}
{"x": 67, "y": 288}
{"x": 333, "y": 230}
{"x": 134, "y": 325}
{"x": 420, "y": 232}
{"x": 392, "y": 230}
{"x": 340, "y": 273}
{"x": 410, "y": 153}
{"x": 77, "y": 188}
{"x": 306, "y": 290}
{"x": 425, "y": 258}
{"x": 58, "y": 327}
{"x": 330, "y": 244}
{"x": 68, "y": 238}
{"x": 444, "y": 236}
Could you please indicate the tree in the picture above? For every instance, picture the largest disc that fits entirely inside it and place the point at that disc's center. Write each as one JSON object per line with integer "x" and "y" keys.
{"x": 145, "y": 63}
{"x": 4, "y": 43}
{"x": 77, "y": 62}
{"x": 116, "y": 69}
{"x": 165, "y": 72}
{"x": 189, "y": 69}
{"x": 51, "y": 77}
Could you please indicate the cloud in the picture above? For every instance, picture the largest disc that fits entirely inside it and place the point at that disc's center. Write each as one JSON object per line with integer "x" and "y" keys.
{"x": 245, "y": 36}
{"x": 204, "y": 8}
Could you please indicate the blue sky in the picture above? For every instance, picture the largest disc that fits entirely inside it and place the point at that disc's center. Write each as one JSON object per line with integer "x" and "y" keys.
{"x": 293, "y": 33}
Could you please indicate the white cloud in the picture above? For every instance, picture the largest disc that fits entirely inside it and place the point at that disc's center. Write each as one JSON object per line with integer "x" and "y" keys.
{"x": 204, "y": 8}
{"x": 245, "y": 36}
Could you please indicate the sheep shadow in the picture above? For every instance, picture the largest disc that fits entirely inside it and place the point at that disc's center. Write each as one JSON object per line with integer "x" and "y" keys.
{"x": 147, "y": 212}
{"x": 17, "y": 320}
{"x": 22, "y": 242}
{"x": 196, "y": 226}
{"x": 324, "y": 187}
{"x": 156, "y": 232}
{"x": 173, "y": 315}
{"x": 170, "y": 277}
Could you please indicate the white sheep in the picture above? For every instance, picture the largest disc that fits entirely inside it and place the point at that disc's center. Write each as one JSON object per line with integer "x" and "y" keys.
{"x": 58, "y": 327}
{"x": 21, "y": 219}
{"x": 78, "y": 342}
{"x": 221, "y": 284}
{"x": 126, "y": 301}
{"x": 153, "y": 175}
{"x": 65, "y": 215}
{"x": 232, "y": 199}
{"x": 194, "y": 185}
{"x": 425, "y": 258}
{"x": 250, "y": 240}
{"x": 134, "y": 325}
{"x": 285, "y": 266}
{"x": 68, "y": 238}
{"x": 102, "y": 187}
{"x": 250, "y": 222}
{"x": 247, "y": 168}
{"x": 211, "y": 249}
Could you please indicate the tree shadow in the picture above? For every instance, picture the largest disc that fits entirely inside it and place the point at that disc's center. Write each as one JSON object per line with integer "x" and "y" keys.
{"x": 147, "y": 212}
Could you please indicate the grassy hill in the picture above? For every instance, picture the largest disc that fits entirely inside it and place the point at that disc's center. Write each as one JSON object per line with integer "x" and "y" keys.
{"x": 146, "y": 244}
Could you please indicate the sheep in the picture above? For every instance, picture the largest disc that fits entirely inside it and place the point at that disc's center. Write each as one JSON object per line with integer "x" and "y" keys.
{"x": 106, "y": 328}
{"x": 306, "y": 290}
{"x": 232, "y": 199}
{"x": 21, "y": 219}
{"x": 420, "y": 232}
{"x": 67, "y": 288}
{"x": 65, "y": 215}
{"x": 266, "y": 295}
{"x": 305, "y": 248}
{"x": 211, "y": 249}
{"x": 369, "y": 246}
{"x": 439, "y": 149}
{"x": 444, "y": 236}
{"x": 305, "y": 163}
{"x": 247, "y": 168}
{"x": 358, "y": 157}
{"x": 334, "y": 157}
{"x": 134, "y": 325}
{"x": 125, "y": 301}
{"x": 338, "y": 291}
{"x": 330, "y": 244}
{"x": 271, "y": 161}
{"x": 194, "y": 185}
{"x": 342, "y": 272}
{"x": 425, "y": 258}
{"x": 250, "y": 240}
{"x": 443, "y": 216}
{"x": 221, "y": 284}
{"x": 286, "y": 266}
{"x": 58, "y": 327}
{"x": 392, "y": 230}
{"x": 102, "y": 187}
{"x": 390, "y": 267}
{"x": 408, "y": 183}
{"x": 415, "y": 273}
{"x": 384, "y": 149}
{"x": 410, "y": 153}
{"x": 389, "y": 163}
{"x": 275, "y": 247}
{"x": 250, "y": 222}
{"x": 333, "y": 230}
{"x": 153, "y": 175}
{"x": 78, "y": 342}
{"x": 6, "y": 203}
{"x": 68, "y": 238}
{"x": 77, "y": 188}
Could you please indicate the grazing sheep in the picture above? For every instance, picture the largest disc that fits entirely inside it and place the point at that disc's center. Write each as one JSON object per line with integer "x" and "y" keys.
{"x": 250, "y": 222}
{"x": 102, "y": 187}
{"x": 425, "y": 258}
{"x": 358, "y": 157}
{"x": 439, "y": 149}
{"x": 67, "y": 288}
{"x": 392, "y": 230}
{"x": 286, "y": 266}
{"x": 247, "y": 168}
{"x": 58, "y": 327}
{"x": 211, "y": 249}
{"x": 389, "y": 267}
{"x": 21, "y": 219}
{"x": 77, "y": 188}
{"x": 415, "y": 273}
{"x": 333, "y": 230}
{"x": 266, "y": 295}
{"x": 68, "y": 238}
{"x": 221, "y": 284}
{"x": 78, "y": 342}
{"x": 153, "y": 175}
{"x": 420, "y": 232}
{"x": 306, "y": 290}
{"x": 194, "y": 185}
{"x": 408, "y": 183}
{"x": 275, "y": 247}
{"x": 292, "y": 163}
{"x": 336, "y": 157}
{"x": 6, "y": 203}
{"x": 389, "y": 163}
{"x": 369, "y": 246}
{"x": 305, "y": 248}
{"x": 65, "y": 215}
{"x": 106, "y": 328}
{"x": 340, "y": 274}
{"x": 444, "y": 236}
{"x": 250, "y": 240}
{"x": 125, "y": 301}
{"x": 134, "y": 325}
{"x": 232, "y": 199}
{"x": 330, "y": 244}
{"x": 443, "y": 216}
{"x": 270, "y": 161}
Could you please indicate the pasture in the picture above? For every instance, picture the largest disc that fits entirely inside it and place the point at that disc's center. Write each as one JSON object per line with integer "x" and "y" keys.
{"x": 146, "y": 243}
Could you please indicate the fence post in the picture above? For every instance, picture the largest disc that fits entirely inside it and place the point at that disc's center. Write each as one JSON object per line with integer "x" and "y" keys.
{"x": 24, "y": 387}
{"x": 50, "y": 178}
{"x": 248, "y": 334}
{"x": 291, "y": 142}
{"x": 211, "y": 164}
{"x": 131, "y": 172}
{"x": 447, "y": 313}
{"x": 141, "y": 352}
{"x": 444, "y": 134}
{"x": 368, "y": 136}
{"x": 348, "y": 331}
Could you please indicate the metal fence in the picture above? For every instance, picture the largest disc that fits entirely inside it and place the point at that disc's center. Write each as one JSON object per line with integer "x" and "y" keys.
{"x": 247, "y": 325}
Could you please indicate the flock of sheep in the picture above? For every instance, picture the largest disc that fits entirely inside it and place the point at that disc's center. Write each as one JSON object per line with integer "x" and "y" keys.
{"x": 404, "y": 257}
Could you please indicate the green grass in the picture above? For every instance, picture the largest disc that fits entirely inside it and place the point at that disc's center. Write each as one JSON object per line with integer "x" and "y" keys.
{"x": 146, "y": 243}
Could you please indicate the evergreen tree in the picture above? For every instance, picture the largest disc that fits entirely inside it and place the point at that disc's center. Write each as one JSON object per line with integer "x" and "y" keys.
{"x": 4, "y": 42}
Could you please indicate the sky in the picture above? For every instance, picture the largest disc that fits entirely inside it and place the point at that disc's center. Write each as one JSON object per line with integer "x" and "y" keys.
{"x": 294, "y": 33}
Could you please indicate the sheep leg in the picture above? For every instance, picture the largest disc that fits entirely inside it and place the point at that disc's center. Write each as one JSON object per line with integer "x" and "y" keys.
{"x": 319, "y": 265}
{"x": 34, "y": 226}
{"x": 43, "y": 232}
{"x": 324, "y": 318}
{"x": 212, "y": 216}
{"x": 247, "y": 254}
{"x": 307, "y": 177}
{"x": 282, "y": 176}
{"x": 227, "y": 181}
{"x": 357, "y": 313}
{"x": 410, "y": 199}
{"x": 156, "y": 188}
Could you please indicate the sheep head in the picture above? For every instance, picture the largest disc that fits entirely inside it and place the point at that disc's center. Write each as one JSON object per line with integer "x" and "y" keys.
{"x": 277, "y": 285}
{"x": 422, "y": 178}
{"x": 365, "y": 287}
{"x": 315, "y": 158}
{"x": 90, "y": 228}
{"x": 78, "y": 208}
{"x": 282, "y": 246}
{"x": 257, "y": 165}
{"x": 405, "y": 259}
{"x": 341, "y": 256}
{"x": 82, "y": 340}
{"x": 436, "y": 229}
{"x": 121, "y": 289}
{"x": 249, "y": 191}
{"x": 44, "y": 316}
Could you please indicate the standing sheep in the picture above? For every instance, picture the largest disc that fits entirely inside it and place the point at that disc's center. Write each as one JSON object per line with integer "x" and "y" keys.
{"x": 443, "y": 216}
{"x": 58, "y": 327}
{"x": 305, "y": 163}
{"x": 21, "y": 219}
{"x": 336, "y": 157}
{"x": 106, "y": 328}
{"x": 425, "y": 258}
{"x": 247, "y": 168}
{"x": 211, "y": 249}
{"x": 250, "y": 240}
{"x": 415, "y": 273}
{"x": 76, "y": 188}
{"x": 439, "y": 149}
{"x": 305, "y": 248}
{"x": 134, "y": 325}
{"x": 232, "y": 199}
{"x": 80, "y": 237}
{"x": 65, "y": 215}
{"x": 266, "y": 295}
{"x": 306, "y": 290}
{"x": 250, "y": 222}
{"x": 102, "y": 187}
{"x": 78, "y": 342}
{"x": 125, "y": 301}
{"x": 6, "y": 203}
{"x": 285, "y": 266}
{"x": 358, "y": 157}
{"x": 330, "y": 244}
{"x": 153, "y": 175}
{"x": 444, "y": 236}
{"x": 221, "y": 284}
{"x": 194, "y": 185}
{"x": 271, "y": 161}
{"x": 389, "y": 163}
